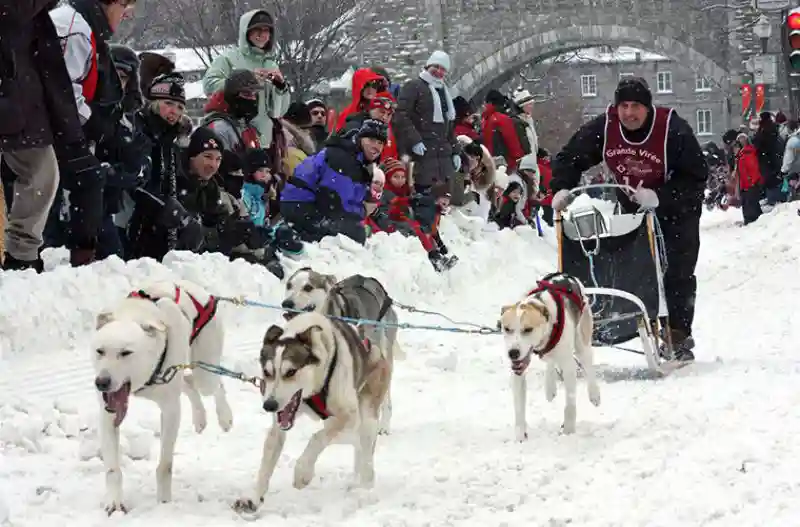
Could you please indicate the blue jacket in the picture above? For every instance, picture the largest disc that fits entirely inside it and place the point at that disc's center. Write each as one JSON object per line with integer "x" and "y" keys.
{"x": 253, "y": 199}
{"x": 335, "y": 179}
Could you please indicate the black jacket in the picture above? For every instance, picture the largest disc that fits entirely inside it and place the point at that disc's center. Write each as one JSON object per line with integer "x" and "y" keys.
{"x": 682, "y": 194}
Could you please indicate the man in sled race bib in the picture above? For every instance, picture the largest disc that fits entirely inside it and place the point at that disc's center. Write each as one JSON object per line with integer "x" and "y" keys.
{"x": 653, "y": 150}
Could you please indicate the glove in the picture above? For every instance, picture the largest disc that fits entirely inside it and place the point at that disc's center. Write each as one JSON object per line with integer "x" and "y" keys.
{"x": 173, "y": 215}
{"x": 191, "y": 236}
{"x": 457, "y": 162}
{"x": 561, "y": 200}
{"x": 419, "y": 149}
{"x": 79, "y": 168}
{"x": 238, "y": 231}
{"x": 645, "y": 197}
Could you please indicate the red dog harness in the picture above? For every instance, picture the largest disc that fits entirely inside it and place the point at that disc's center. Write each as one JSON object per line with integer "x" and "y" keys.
{"x": 559, "y": 294}
{"x": 319, "y": 401}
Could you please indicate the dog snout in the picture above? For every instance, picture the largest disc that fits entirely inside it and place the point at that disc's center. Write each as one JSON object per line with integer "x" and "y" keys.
{"x": 270, "y": 405}
{"x": 513, "y": 354}
{"x": 287, "y": 304}
{"x": 103, "y": 384}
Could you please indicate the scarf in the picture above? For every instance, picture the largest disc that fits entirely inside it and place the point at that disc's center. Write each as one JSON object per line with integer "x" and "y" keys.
{"x": 435, "y": 85}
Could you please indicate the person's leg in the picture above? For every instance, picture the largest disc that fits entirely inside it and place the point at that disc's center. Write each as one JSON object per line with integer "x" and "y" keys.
{"x": 682, "y": 241}
{"x": 34, "y": 190}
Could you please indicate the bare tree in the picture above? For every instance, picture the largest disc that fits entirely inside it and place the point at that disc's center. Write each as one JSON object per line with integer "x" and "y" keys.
{"x": 557, "y": 119}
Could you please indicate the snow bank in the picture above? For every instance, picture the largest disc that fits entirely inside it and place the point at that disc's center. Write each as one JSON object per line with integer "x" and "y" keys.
{"x": 57, "y": 309}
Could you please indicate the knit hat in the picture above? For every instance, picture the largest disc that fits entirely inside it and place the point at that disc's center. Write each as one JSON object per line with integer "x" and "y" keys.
{"x": 298, "y": 114}
{"x": 168, "y": 87}
{"x": 528, "y": 162}
{"x": 261, "y": 19}
{"x": 239, "y": 81}
{"x": 633, "y": 89}
{"x": 382, "y": 72}
{"x": 393, "y": 166}
{"x": 151, "y": 65}
{"x": 496, "y": 98}
{"x": 254, "y": 159}
{"x": 374, "y": 129}
{"x": 383, "y": 100}
{"x": 202, "y": 140}
{"x": 438, "y": 58}
{"x": 463, "y": 107}
{"x": 522, "y": 97}
{"x": 316, "y": 103}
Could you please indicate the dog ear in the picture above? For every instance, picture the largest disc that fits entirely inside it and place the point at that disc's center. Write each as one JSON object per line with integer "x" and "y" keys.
{"x": 330, "y": 280}
{"x": 273, "y": 334}
{"x": 305, "y": 335}
{"x": 104, "y": 318}
{"x": 153, "y": 328}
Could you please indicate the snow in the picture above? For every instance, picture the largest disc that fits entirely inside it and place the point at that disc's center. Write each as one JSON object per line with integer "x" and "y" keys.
{"x": 714, "y": 444}
{"x": 605, "y": 55}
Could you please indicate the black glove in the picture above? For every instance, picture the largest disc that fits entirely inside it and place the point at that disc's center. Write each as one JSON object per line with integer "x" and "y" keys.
{"x": 173, "y": 214}
{"x": 79, "y": 168}
{"x": 237, "y": 231}
{"x": 191, "y": 236}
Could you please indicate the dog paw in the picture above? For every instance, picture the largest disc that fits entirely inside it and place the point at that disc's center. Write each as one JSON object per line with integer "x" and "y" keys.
{"x": 302, "y": 476}
{"x": 116, "y": 506}
{"x": 521, "y": 434}
{"x": 550, "y": 392}
{"x": 199, "y": 420}
{"x": 568, "y": 429}
{"x": 225, "y": 418}
{"x": 247, "y": 505}
{"x": 383, "y": 430}
{"x": 594, "y": 394}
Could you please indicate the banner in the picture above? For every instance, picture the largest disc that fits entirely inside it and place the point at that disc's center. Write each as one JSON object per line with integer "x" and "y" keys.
{"x": 747, "y": 101}
{"x": 760, "y": 98}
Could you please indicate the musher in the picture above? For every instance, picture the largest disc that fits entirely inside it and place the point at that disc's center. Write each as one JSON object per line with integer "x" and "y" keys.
{"x": 653, "y": 150}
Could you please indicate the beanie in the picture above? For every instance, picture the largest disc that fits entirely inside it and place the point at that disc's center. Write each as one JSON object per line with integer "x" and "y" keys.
{"x": 298, "y": 113}
{"x": 239, "y": 81}
{"x": 392, "y": 166}
{"x": 374, "y": 129}
{"x": 439, "y": 58}
{"x": 383, "y": 73}
{"x": 261, "y": 19}
{"x": 168, "y": 87}
{"x": 522, "y": 97}
{"x": 496, "y": 98}
{"x": 316, "y": 103}
{"x": 383, "y": 100}
{"x": 202, "y": 140}
{"x": 255, "y": 159}
{"x": 528, "y": 162}
{"x": 633, "y": 89}
{"x": 462, "y": 106}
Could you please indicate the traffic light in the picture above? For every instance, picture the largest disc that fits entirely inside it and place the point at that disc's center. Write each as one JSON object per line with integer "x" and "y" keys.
{"x": 793, "y": 32}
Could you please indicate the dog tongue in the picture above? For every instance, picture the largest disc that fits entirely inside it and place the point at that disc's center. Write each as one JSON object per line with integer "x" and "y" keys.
{"x": 118, "y": 403}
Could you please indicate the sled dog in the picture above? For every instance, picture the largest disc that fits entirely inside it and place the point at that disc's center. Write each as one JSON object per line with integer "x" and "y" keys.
{"x": 322, "y": 368}
{"x": 356, "y": 297}
{"x": 134, "y": 350}
{"x": 553, "y": 322}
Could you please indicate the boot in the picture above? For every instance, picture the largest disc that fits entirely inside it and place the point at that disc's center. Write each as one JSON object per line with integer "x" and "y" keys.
{"x": 682, "y": 346}
{"x": 13, "y": 264}
{"x": 440, "y": 262}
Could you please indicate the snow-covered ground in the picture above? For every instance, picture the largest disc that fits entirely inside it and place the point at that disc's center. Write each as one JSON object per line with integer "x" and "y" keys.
{"x": 714, "y": 444}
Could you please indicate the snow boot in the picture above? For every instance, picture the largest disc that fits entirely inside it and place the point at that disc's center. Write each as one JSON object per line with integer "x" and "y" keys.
{"x": 13, "y": 264}
{"x": 682, "y": 346}
{"x": 440, "y": 262}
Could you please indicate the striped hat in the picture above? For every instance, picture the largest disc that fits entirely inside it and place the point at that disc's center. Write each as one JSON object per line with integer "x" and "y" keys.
{"x": 392, "y": 166}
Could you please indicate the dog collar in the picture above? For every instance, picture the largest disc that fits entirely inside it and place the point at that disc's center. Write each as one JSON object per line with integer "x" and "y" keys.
{"x": 559, "y": 294}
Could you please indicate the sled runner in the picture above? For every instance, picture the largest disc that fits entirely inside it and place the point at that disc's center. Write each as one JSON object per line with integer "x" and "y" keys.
{"x": 620, "y": 260}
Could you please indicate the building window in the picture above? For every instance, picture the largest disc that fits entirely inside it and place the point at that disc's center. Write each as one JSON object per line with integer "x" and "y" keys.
{"x": 701, "y": 83}
{"x": 623, "y": 75}
{"x": 704, "y": 122}
{"x": 664, "y": 82}
{"x": 589, "y": 85}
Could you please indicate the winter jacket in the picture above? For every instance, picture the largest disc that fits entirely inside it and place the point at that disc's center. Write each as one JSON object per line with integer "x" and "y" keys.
{"x": 236, "y": 135}
{"x": 506, "y": 216}
{"x": 500, "y": 136}
{"x": 253, "y": 199}
{"x": 770, "y": 151}
{"x": 354, "y": 122}
{"x": 413, "y": 123}
{"x": 36, "y": 99}
{"x": 84, "y": 31}
{"x": 681, "y": 194}
{"x": 336, "y": 179}
{"x": 466, "y": 129}
{"x": 791, "y": 154}
{"x": 528, "y": 127}
{"x": 748, "y": 168}
{"x": 361, "y": 78}
{"x": 545, "y": 177}
{"x": 273, "y": 101}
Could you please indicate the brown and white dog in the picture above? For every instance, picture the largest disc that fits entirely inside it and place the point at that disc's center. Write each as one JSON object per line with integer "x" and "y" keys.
{"x": 553, "y": 322}
{"x": 321, "y": 368}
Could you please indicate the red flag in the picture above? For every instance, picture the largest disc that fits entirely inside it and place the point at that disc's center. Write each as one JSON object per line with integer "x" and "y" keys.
{"x": 760, "y": 98}
{"x": 747, "y": 99}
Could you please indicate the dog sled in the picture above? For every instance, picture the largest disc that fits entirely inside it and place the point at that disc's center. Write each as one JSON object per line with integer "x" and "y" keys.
{"x": 620, "y": 260}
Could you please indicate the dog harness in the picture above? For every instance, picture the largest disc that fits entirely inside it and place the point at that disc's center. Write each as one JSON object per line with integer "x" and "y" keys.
{"x": 560, "y": 293}
{"x": 319, "y": 401}
{"x": 205, "y": 313}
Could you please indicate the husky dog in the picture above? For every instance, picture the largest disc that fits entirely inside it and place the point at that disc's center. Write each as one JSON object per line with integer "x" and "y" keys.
{"x": 553, "y": 322}
{"x": 135, "y": 348}
{"x": 322, "y": 368}
{"x": 355, "y": 297}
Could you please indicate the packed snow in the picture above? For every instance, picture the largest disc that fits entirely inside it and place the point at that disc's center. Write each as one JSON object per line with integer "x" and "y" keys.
{"x": 714, "y": 444}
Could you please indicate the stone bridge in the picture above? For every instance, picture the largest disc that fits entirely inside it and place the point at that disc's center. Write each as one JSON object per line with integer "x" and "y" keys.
{"x": 491, "y": 40}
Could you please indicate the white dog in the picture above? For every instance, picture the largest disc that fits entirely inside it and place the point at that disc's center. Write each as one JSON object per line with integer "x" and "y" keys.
{"x": 321, "y": 368}
{"x": 555, "y": 323}
{"x": 135, "y": 350}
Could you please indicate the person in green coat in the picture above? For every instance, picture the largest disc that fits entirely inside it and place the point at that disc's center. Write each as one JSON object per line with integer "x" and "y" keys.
{"x": 255, "y": 52}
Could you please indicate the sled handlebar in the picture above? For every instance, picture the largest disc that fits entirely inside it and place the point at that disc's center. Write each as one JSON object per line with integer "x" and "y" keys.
{"x": 627, "y": 188}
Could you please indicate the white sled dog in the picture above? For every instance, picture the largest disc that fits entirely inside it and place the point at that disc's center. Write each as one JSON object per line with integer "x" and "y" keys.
{"x": 135, "y": 348}
{"x": 354, "y": 297}
{"x": 553, "y": 322}
{"x": 321, "y": 368}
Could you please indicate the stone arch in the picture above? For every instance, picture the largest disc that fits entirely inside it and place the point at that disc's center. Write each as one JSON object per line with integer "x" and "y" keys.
{"x": 479, "y": 73}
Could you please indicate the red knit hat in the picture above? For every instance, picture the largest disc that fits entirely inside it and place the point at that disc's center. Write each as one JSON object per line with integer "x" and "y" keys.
{"x": 392, "y": 166}
{"x": 383, "y": 100}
